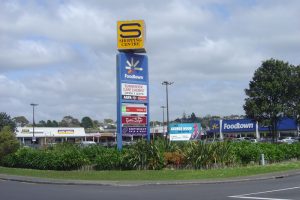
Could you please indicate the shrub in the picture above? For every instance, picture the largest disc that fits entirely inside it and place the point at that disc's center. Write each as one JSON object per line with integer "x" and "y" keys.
{"x": 8, "y": 142}
{"x": 207, "y": 155}
{"x": 144, "y": 155}
{"x": 246, "y": 152}
{"x": 108, "y": 159}
{"x": 62, "y": 157}
{"x": 174, "y": 159}
{"x": 93, "y": 152}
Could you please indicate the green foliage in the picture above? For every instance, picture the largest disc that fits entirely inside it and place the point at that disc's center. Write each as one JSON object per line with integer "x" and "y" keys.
{"x": 69, "y": 121}
{"x": 87, "y": 122}
{"x": 5, "y": 120}
{"x": 152, "y": 156}
{"x": 247, "y": 152}
{"x": 61, "y": 157}
{"x": 92, "y": 152}
{"x": 144, "y": 155}
{"x": 273, "y": 93}
{"x": 109, "y": 159}
{"x": 21, "y": 120}
{"x": 207, "y": 155}
{"x": 8, "y": 142}
{"x": 295, "y": 91}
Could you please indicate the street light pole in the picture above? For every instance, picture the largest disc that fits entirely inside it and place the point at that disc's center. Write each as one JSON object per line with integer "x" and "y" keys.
{"x": 167, "y": 83}
{"x": 33, "y": 123}
{"x": 163, "y": 107}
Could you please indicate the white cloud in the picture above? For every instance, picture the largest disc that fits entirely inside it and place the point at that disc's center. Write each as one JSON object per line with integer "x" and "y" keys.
{"x": 31, "y": 53}
{"x": 62, "y": 55}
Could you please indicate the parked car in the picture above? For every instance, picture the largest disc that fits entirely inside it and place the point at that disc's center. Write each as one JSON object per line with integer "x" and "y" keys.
{"x": 253, "y": 140}
{"x": 244, "y": 139}
{"x": 287, "y": 140}
{"x": 87, "y": 143}
{"x": 297, "y": 138}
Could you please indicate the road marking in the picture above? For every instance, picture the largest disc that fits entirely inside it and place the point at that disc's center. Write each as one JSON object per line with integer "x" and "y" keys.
{"x": 246, "y": 196}
{"x": 242, "y": 197}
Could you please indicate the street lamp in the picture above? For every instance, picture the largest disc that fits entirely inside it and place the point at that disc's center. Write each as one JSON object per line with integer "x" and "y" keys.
{"x": 167, "y": 83}
{"x": 33, "y": 123}
{"x": 163, "y": 107}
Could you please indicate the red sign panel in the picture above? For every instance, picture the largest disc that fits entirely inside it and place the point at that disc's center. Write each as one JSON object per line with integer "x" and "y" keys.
{"x": 130, "y": 97}
{"x": 134, "y": 120}
{"x": 136, "y": 109}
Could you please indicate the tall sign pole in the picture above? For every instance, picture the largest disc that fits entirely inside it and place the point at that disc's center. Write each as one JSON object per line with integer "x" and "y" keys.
{"x": 132, "y": 81}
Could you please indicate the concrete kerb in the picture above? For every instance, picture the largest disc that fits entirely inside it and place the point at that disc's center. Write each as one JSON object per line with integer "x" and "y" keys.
{"x": 36, "y": 180}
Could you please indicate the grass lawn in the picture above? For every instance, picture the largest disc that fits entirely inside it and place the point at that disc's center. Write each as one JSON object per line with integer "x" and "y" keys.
{"x": 154, "y": 175}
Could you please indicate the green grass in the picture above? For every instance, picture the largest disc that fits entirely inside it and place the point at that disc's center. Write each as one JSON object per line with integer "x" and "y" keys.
{"x": 148, "y": 175}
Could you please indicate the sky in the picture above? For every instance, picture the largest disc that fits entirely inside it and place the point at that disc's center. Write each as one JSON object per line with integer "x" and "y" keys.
{"x": 61, "y": 54}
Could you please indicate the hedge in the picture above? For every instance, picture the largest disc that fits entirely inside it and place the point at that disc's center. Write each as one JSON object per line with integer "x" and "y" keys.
{"x": 152, "y": 156}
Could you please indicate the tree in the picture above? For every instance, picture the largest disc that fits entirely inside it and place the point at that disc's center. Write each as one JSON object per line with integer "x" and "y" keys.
{"x": 193, "y": 118}
{"x": 269, "y": 93}
{"x": 69, "y": 121}
{"x": 21, "y": 121}
{"x": 41, "y": 123}
{"x": 97, "y": 123}
{"x": 54, "y": 123}
{"x": 8, "y": 142}
{"x": 184, "y": 118}
{"x": 5, "y": 120}
{"x": 108, "y": 121}
{"x": 295, "y": 94}
{"x": 49, "y": 123}
{"x": 87, "y": 122}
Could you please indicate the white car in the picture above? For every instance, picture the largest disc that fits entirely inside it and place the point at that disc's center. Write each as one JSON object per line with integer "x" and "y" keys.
{"x": 87, "y": 143}
{"x": 287, "y": 140}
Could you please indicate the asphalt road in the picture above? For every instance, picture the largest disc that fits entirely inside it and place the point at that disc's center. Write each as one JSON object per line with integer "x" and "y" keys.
{"x": 272, "y": 189}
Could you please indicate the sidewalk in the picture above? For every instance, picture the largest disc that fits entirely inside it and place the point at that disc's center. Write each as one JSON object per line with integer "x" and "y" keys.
{"x": 37, "y": 180}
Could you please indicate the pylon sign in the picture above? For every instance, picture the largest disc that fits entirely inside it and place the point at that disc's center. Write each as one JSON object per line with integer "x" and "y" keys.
{"x": 131, "y": 36}
{"x": 132, "y": 96}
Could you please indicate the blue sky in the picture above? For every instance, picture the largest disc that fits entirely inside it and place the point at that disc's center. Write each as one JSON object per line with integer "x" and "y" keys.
{"x": 61, "y": 54}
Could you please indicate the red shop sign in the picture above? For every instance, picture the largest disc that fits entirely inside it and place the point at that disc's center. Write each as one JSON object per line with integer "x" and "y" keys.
{"x": 134, "y": 120}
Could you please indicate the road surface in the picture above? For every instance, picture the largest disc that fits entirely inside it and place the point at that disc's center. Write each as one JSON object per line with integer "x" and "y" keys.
{"x": 272, "y": 189}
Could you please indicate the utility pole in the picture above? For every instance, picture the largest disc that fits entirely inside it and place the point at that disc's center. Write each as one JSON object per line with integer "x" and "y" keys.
{"x": 163, "y": 107}
{"x": 167, "y": 83}
{"x": 33, "y": 123}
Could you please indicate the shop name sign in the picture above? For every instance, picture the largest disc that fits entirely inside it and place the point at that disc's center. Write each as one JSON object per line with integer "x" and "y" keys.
{"x": 131, "y": 36}
{"x": 134, "y": 89}
{"x": 135, "y": 131}
{"x": 239, "y": 125}
{"x": 133, "y": 67}
{"x": 65, "y": 131}
{"x": 185, "y": 131}
{"x": 132, "y": 81}
{"x": 181, "y": 129}
{"x": 134, "y": 109}
{"x": 134, "y": 119}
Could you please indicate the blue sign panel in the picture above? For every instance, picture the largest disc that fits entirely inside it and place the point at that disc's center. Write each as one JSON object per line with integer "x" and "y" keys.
{"x": 214, "y": 126}
{"x": 238, "y": 125}
{"x": 285, "y": 124}
{"x": 133, "y": 67}
{"x": 134, "y": 131}
{"x": 248, "y": 125}
{"x": 184, "y": 132}
{"x": 133, "y": 90}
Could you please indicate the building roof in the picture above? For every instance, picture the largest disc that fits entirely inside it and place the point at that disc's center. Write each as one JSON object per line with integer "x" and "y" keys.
{"x": 50, "y": 132}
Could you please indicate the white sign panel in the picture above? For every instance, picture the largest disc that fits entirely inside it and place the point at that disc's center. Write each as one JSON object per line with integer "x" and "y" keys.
{"x": 134, "y": 89}
{"x": 134, "y": 109}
